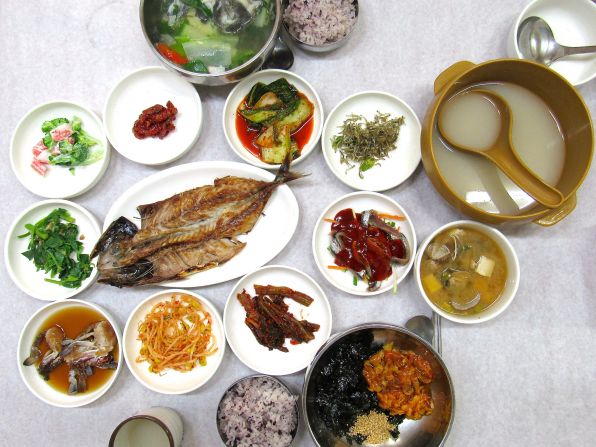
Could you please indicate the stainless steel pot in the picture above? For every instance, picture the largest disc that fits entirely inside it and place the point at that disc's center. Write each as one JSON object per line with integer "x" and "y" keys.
{"x": 274, "y": 54}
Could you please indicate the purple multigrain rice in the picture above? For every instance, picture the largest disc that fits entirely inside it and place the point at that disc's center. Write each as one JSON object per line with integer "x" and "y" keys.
{"x": 317, "y": 22}
{"x": 257, "y": 411}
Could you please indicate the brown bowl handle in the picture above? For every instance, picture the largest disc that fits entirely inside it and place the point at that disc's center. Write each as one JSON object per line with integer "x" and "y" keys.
{"x": 451, "y": 72}
{"x": 555, "y": 216}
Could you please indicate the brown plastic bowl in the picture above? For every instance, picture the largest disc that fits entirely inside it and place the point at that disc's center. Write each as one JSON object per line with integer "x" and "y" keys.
{"x": 559, "y": 95}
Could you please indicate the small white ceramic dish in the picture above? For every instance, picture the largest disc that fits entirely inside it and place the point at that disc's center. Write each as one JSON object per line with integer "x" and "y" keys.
{"x": 58, "y": 182}
{"x": 140, "y": 90}
{"x": 360, "y": 201}
{"x": 574, "y": 24}
{"x": 153, "y": 427}
{"x": 238, "y": 94}
{"x": 36, "y": 384}
{"x": 23, "y": 272}
{"x": 171, "y": 382}
{"x": 400, "y": 163}
{"x": 511, "y": 284}
{"x": 243, "y": 342}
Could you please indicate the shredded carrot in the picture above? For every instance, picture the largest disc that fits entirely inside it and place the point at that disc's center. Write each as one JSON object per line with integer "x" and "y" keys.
{"x": 330, "y": 220}
{"x": 176, "y": 334}
{"x": 391, "y": 216}
{"x": 337, "y": 267}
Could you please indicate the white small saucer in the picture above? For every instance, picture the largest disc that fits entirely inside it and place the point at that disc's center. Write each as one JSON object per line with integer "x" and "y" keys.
{"x": 399, "y": 164}
{"x": 23, "y": 272}
{"x": 58, "y": 182}
{"x": 238, "y": 94}
{"x": 171, "y": 382}
{"x": 140, "y": 90}
{"x": 245, "y": 345}
{"x": 36, "y": 384}
{"x": 360, "y": 201}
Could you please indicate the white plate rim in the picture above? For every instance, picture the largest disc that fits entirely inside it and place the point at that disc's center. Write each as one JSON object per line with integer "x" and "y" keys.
{"x": 12, "y": 232}
{"x": 99, "y": 393}
{"x": 104, "y": 140}
{"x": 131, "y": 332}
{"x": 412, "y": 243}
{"x": 245, "y": 169}
{"x": 118, "y": 85}
{"x": 243, "y": 152}
{"x": 327, "y": 151}
{"x": 231, "y": 298}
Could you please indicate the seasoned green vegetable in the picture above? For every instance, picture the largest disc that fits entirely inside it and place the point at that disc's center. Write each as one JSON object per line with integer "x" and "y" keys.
{"x": 54, "y": 247}
{"x": 365, "y": 142}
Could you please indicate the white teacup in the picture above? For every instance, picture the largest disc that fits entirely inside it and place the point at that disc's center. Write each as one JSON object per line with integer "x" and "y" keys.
{"x": 155, "y": 427}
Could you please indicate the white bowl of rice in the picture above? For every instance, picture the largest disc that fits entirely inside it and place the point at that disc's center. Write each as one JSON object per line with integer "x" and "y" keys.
{"x": 258, "y": 410}
{"x": 319, "y": 26}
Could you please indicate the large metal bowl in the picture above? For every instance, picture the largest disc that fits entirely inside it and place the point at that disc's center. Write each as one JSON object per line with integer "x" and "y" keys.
{"x": 430, "y": 431}
{"x": 149, "y": 15}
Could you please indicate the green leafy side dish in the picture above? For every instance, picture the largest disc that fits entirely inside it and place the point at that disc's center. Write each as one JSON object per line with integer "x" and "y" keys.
{"x": 55, "y": 248}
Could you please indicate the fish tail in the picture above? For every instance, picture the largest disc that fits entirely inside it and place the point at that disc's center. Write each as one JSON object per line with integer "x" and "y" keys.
{"x": 284, "y": 175}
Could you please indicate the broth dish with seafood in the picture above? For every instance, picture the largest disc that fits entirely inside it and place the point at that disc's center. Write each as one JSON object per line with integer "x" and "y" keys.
{"x": 212, "y": 36}
{"x": 463, "y": 271}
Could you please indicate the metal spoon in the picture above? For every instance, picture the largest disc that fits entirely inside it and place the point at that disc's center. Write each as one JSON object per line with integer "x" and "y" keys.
{"x": 422, "y": 326}
{"x": 502, "y": 154}
{"x": 536, "y": 41}
{"x": 281, "y": 57}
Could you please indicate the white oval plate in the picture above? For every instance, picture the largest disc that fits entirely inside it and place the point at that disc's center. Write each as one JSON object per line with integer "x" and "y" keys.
{"x": 238, "y": 94}
{"x": 140, "y": 90}
{"x": 245, "y": 345}
{"x": 171, "y": 382}
{"x": 58, "y": 182}
{"x": 272, "y": 232}
{"x": 35, "y": 382}
{"x": 399, "y": 164}
{"x": 574, "y": 24}
{"x": 23, "y": 272}
{"x": 360, "y": 201}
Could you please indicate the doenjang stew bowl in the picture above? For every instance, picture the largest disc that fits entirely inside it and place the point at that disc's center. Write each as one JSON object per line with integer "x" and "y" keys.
{"x": 475, "y": 197}
{"x": 429, "y": 431}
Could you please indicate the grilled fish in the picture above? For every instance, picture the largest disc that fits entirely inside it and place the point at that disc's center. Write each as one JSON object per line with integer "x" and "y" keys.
{"x": 188, "y": 232}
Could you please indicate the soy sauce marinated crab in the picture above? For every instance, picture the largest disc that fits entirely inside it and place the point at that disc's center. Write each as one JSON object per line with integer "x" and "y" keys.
{"x": 92, "y": 348}
{"x": 52, "y": 359}
{"x": 368, "y": 243}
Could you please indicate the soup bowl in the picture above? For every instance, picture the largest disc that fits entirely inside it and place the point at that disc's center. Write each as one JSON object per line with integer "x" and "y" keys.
{"x": 559, "y": 95}
{"x": 511, "y": 282}
{"x": 429, "y": 431}
{"x": 149, "y": 11}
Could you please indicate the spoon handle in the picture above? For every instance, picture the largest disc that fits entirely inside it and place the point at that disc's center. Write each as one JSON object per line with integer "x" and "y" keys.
{"x": 519, "y": 173}
{"x": 437, "y": 341}
{"x": 567, "y": 51}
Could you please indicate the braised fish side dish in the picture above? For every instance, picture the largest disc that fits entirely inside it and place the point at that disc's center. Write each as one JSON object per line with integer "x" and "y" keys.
{"x": 186, "y": 233}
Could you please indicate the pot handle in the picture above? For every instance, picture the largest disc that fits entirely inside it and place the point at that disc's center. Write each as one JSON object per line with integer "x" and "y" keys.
{"x": 281, "y": 56}
{"x": 451, "y": 72}
{"x": 556, "y": 215}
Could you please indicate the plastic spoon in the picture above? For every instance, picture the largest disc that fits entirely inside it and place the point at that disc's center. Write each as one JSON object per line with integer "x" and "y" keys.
{"x": 502, "y": 154}
{"x": 536, "y": 41}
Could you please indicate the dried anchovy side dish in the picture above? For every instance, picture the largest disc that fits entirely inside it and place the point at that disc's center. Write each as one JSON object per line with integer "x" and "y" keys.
{"x": 366, "y": 142}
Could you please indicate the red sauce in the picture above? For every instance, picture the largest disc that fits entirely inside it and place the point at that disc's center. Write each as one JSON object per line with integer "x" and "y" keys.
{"x": 248, "y": 136}
{"x": 156, "y": 121}
{"x": 366, "y": 249}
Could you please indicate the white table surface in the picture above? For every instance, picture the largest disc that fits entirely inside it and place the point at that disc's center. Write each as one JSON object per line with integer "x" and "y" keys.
{"x": 527, "y": 378}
